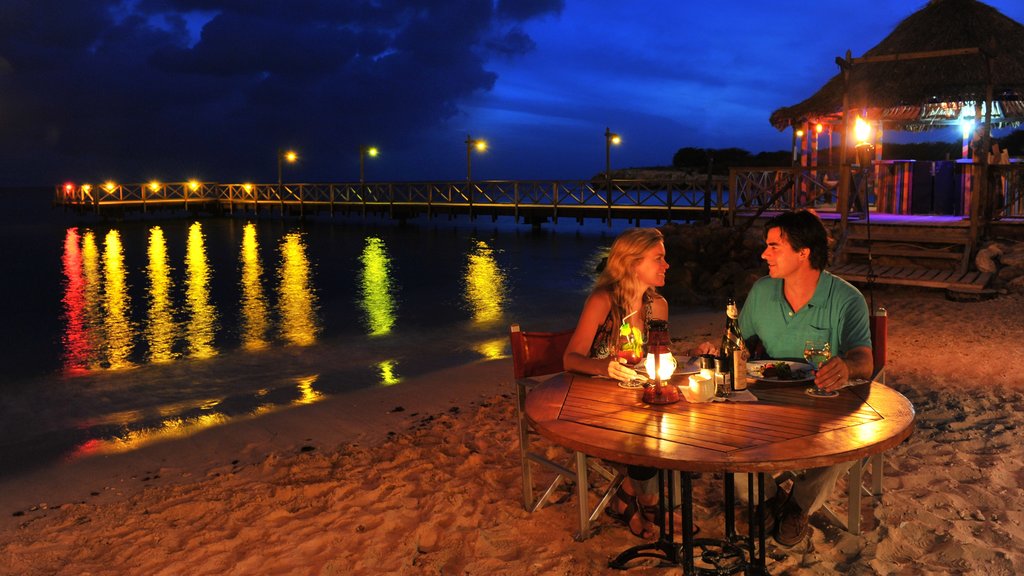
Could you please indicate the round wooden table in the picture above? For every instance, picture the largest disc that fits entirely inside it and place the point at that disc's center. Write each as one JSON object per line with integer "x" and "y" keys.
{"x": 785, "y": 429}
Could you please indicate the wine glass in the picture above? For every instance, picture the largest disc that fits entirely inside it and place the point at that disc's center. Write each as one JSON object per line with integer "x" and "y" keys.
{"x": 630, "y": 349}
{"x": 817, "y": 352}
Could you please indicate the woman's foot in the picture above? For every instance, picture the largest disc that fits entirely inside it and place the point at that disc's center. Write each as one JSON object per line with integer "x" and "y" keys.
{"x": 624, "y": 508}
{"x": 651, "y": 510}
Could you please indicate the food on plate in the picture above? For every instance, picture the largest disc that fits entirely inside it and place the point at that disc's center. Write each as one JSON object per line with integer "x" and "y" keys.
{"x": 781, "y": 371}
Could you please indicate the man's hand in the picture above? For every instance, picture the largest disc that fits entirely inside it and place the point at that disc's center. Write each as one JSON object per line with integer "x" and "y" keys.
{"x": 833, "y": 374}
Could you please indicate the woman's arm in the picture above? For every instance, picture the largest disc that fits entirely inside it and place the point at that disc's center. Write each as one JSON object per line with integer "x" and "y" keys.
{"x": 577, "y": 354}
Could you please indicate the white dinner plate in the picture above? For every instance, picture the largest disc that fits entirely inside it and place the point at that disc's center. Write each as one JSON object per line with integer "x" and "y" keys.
{"x": 802, "y": 370}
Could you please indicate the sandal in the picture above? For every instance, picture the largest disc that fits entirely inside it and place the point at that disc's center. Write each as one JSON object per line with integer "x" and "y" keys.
{"x": 629, "y": 514}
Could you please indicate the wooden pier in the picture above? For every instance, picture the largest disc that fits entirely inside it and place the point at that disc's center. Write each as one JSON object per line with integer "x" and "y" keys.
{"x": 919, "y": 250}
{"x": 526, "y": 201}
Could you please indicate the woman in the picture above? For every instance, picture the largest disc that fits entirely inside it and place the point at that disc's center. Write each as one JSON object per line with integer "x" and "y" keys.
{"x": 624, "y": 290}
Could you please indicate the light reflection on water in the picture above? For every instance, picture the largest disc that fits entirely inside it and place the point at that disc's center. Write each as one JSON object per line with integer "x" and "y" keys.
{"x": 378, "y": 299}
{"x": 211, "y": 318}
{"x": 161, "y": 331}
{"x": 296, "y": 297}
{"x": 116, "y": 310}
{"x": 255, "y": 319}
{"x": 485, "y": 284}
{"x": 202, "y": 322}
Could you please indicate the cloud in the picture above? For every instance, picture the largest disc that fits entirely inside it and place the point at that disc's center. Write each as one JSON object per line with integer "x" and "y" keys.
{"x": 176, "y": 88}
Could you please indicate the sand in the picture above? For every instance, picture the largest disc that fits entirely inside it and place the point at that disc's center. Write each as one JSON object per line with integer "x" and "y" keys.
{"x": 423, "y": 478}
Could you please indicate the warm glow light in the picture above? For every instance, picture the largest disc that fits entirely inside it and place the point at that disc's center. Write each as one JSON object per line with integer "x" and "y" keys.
{"x": 297, "y": 303}
{"x": 161, "y": 328}
{"x": 247, "y": 187}
{"x": 254, "y": 304}
{"x": 666, "y": 366}
{"x": 861, "y": 130}
{"x": 481, "y": 145}
{"x": 202, "y": 322}
{"x": 76, "y": 331}
{"x": 117, "y": 303}
{"x": 485, "y": 285}
{"x": 377, "y": 298}
{"x": 818, "y": 127}
{"x": 109, "y": 185}
{"x": 799, "y": 133}
{"x": 290, "y": 156}
{"x": 193, "y": 185}
{"x": 616, "y": 139}
{"x": 154, "y": 185}
{"x": 86, "y": 188}
{"x": 92, "y": 293}
{"x": 372, "y": 151}
{"x": 69, "y": 187}
{"x": 493, "y": 349}
{"x": 388, "y": 375}
{"x": 307, "y": 394}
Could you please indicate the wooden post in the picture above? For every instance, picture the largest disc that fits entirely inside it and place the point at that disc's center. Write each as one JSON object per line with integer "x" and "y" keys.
{"x": 844, "y": 168}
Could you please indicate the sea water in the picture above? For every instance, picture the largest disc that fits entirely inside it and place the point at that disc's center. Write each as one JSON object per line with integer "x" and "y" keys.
{"x": 119, "y": 333}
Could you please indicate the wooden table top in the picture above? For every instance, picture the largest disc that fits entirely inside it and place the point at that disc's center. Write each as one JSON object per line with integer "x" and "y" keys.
{"x": 784, "y": 430}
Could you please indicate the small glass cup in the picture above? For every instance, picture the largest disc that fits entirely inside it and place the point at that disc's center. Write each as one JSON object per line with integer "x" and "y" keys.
{"x": 816, "y": 353}
{"x": 630, "y": 352}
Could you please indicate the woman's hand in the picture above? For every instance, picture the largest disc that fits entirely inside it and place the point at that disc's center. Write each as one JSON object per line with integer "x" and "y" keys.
{"x": 619, "y": 370}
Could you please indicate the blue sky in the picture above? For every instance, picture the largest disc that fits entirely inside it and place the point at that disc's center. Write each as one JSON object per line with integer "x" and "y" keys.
{"x": 210, "y": 89}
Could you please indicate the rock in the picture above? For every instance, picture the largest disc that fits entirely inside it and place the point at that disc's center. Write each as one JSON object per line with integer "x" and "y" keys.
{"x": 1016, "y": 285}
{"x": 1013, "y": 256}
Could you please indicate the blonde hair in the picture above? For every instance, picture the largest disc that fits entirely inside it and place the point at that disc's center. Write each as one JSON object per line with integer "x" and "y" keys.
{"x": 618, "y": 278}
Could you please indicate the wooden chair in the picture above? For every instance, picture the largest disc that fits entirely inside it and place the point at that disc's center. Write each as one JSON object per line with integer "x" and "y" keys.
{"x": 856, "y": 488}
{"x": 536, "y": 354}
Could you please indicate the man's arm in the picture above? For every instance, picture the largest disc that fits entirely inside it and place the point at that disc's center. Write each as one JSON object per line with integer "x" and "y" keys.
{"x": 837, "y": 372}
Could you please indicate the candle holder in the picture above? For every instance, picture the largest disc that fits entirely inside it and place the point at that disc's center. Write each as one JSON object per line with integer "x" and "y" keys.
{"x": 660, "y": 365}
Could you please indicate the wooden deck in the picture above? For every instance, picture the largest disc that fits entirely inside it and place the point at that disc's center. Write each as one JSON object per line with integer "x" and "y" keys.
{"x": 970, "y": 281}
{"x": 926, "y": 251}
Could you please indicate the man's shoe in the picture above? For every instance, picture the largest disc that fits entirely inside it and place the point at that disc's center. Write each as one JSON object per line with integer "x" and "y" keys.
{"x": 793, "y": 525}
{"x": 773, "y": 507}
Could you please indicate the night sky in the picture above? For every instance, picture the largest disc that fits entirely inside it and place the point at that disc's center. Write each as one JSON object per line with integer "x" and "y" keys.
{"x": 212, "y": 89}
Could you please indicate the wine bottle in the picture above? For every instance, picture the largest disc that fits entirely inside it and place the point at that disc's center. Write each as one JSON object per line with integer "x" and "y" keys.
{"x": 733, "y": 350}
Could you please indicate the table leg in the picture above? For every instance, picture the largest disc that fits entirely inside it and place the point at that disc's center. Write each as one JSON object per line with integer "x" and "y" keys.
{"x": 758, "y": 560}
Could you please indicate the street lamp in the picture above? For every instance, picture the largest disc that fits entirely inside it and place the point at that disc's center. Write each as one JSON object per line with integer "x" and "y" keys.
{"x": 480, "y": 145}
{"x": 609, "y": 139}
{"x": 283, "y": 156}
{"x": 365, "y": 151}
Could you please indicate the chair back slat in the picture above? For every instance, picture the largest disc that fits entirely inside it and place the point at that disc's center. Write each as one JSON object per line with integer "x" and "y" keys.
{"x": 537, "y": 353}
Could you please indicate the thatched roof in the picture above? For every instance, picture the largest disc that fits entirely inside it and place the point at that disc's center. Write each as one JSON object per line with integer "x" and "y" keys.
{"x": 918, "y": 94}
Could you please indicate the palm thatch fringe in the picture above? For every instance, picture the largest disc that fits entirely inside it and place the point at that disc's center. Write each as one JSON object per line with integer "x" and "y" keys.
{"x": 919, "y": 94}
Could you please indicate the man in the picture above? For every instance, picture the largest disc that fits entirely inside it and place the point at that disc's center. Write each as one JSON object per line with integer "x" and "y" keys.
{"x": 800, "y": 301}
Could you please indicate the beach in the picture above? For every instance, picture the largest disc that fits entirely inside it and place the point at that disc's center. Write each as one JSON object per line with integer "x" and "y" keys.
{"x": 423, "y": 478}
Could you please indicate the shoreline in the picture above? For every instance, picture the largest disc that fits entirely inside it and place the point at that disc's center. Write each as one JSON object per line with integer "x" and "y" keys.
{"x": 435, "y": 488}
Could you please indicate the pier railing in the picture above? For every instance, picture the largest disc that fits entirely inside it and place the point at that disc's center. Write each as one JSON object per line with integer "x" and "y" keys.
{"x": 745, "y": 191}
{"x": 680, "y": 199}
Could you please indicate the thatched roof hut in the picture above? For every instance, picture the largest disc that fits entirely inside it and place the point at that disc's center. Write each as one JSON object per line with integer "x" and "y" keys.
{"x": 922, "y": 93}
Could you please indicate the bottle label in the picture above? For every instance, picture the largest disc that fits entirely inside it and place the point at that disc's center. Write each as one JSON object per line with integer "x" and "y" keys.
{"x": 739, "y": 369}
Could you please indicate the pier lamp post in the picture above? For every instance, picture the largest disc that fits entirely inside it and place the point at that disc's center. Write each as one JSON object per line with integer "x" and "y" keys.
{"x": 365, "y": 151}
{"x": 283, "y": 156}
{"x": 471, "y": 143}
{"x": 609, "y": 139}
